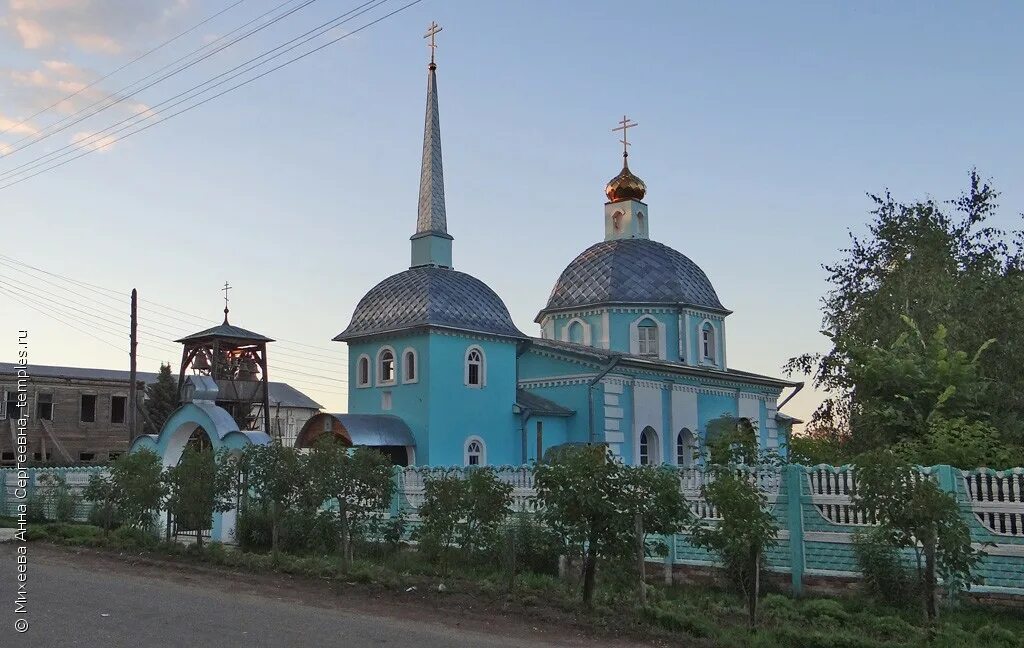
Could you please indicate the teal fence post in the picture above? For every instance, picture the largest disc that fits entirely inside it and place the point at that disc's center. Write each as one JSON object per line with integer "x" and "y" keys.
{"x": 396, "y": 498}
{"x": 947, "y": 479}
{"x": 795, "y": 524}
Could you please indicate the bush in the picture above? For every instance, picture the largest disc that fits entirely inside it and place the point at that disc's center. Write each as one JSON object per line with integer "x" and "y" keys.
{"x": 885, "y": 576}
{"x": 889, "y": 627}
{"x": 301, "y": 531}
{"x": 676, "y": 620}
{"x": 131, "y": 538}
{"x": 824, "y": 610}
{"x": 533, "y": 545}
{"x": 98, "y": 515}
{"x": 779, "y": 609}
{"x": 995, "y": 636}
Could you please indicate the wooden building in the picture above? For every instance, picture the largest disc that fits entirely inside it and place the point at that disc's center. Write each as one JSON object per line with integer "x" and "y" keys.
{"x": 80, "y": 415}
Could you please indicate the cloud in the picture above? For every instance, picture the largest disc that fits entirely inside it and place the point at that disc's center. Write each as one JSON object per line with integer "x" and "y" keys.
{"x": 97, "y": 43}
{"x": 14, "y": 126}
{"x": 32, "y": 34}
{"x": 87, "y": 140}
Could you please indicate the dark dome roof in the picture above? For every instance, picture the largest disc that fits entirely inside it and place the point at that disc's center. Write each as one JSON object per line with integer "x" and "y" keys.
{"x": 429, "y": 296}
{"x": 632, "y": 271}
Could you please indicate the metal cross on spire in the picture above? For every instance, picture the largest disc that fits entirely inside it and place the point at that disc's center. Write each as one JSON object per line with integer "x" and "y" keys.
{"x": 624, "y": 126}
{"x": 225, "y": 289}
{"x": 431, "y": 32}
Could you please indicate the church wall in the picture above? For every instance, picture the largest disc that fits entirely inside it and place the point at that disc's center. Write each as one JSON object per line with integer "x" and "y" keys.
{"x": 407, "y": 399}
{"x": 555, "y": 432}
{"x": 464, "y": 411}
{"x": 712, "y": 406}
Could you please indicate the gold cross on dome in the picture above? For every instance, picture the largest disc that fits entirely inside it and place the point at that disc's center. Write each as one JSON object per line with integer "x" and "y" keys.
{"x": 624, "y": 126}
{"x": 431, "y": 32}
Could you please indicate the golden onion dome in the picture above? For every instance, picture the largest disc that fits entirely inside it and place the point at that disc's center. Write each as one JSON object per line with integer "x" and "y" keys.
{"x": 625, "y": 186}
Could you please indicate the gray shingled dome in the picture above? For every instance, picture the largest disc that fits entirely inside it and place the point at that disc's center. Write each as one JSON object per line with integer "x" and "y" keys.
{"x": 429, "y": 296}
{"x": 632, "y": 271}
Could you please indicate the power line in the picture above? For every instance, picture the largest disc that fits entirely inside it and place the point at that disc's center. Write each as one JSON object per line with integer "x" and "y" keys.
{"x": 62, "y": 306}
{"x": 102, "y": 292}
{"x": 131, "y": 62}
{"x": 40, "y": 136}
{"x": 208, "y": 99}
{"x": 193, "y": 92}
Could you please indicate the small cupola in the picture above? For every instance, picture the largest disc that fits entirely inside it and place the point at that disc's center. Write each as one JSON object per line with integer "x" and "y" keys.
{"x": 625, "y": 215}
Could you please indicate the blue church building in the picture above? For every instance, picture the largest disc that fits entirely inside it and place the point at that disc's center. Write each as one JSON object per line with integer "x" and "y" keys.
{"x": 632, "y": 350}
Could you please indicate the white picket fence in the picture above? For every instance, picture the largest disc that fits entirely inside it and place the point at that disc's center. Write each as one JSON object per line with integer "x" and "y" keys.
{"x": 997, "y": 499}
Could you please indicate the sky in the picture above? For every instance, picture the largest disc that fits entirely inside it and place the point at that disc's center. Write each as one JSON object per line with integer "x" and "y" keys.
{"x": 762, "y": 127}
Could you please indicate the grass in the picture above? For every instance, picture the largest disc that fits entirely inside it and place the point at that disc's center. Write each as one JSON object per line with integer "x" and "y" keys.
{"x": 691, "y": 614}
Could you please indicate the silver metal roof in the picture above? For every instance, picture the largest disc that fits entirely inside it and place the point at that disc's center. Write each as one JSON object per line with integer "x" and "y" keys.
{"x": 431, "y": 214}
{"x": 632, "y": 271}
{"x": 376, "y": 430}
{"x": 429, "y": 296}
{"x": 281, "y": 394}
{"x": 540, "y": 405}
{"x": 226, "y": 330}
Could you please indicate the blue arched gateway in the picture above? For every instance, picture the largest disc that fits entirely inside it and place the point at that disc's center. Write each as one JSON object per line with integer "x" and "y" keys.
{"x": 199, "y": 419}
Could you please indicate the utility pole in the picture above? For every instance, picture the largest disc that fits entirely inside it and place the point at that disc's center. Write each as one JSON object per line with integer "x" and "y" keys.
{"x": 132, "y": 395}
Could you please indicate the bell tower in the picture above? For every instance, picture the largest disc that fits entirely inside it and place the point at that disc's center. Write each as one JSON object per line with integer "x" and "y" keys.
{"x": 625, "y": 215}
{"x": 236, "y": 360}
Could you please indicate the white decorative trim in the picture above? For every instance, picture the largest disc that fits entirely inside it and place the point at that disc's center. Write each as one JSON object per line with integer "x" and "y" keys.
{"x": 483, "y": 450}
{"x": 394, "y": 366}
{"x": 686, "y": 356}
{"x": 606, "y": 334}
{"x": 634, "y": 335}
{"x": 583, "y": 323}
{"x": 360, "y": 383}
{"x": 483, "y": 367}
{"x": 611, "y": 399}
{"x": 415, "y": 365}
{"x": 556, "y": 381}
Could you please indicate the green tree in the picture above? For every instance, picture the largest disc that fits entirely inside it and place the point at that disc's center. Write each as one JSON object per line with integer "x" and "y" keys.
{"x": 131, "y": 493}
{"x": 913, "y": 513}
{"x": 161, "y": 400}
{"x": 358, "y": 481}
{"x": 940, "y": 264}
{"x": 275, "y": 479}
{"x": 745, "y": 531}
{"x": 201, "y": 484}
{"x": 465, "y": 511}
{"x": 591, "y": 500}
{"x": 138, "y": 480}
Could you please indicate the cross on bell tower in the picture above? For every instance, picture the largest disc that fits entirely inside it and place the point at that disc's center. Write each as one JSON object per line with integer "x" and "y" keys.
{"x": 236, "y": 359}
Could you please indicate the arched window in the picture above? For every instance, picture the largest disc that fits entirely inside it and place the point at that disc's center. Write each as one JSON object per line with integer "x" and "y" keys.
{"x": 385, "y": 366}
{"x": 576, "y": 334}
{"x": 617, "y": 221}
{"x": 475, "y": 367}
{"x": 476, "y": 452}
{"x": 409, "y": 368}
{"x": 648, "y": 447}
{"x": 363, "y": 371}
{"x": 708, "y": 341}
{"x": 647, "y": 338}
{"x": 685, "y": 446}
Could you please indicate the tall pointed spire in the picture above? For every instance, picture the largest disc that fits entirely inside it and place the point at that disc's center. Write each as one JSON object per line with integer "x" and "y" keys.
{"x": 431, "y": 244}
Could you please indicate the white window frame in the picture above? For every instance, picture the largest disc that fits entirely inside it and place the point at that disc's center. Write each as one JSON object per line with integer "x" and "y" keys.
{"x": 380, "y": 366}
{"x": 359, "y": 374}
{"x": 481, "y": 372}
{"x": 705, "y": 327}
{"x": 653, "y": 446}
{"x": 482, "y": 454}
{"x": 585, "y": 326}
{"x": 685, "y": 459}
{"x": 647, "y": 339}
{"x": 406, "y": 380}
{"x": 634, "y": 335}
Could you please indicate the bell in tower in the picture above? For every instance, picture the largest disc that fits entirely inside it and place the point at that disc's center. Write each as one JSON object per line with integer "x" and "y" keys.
{"x": 236, "y": 359}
